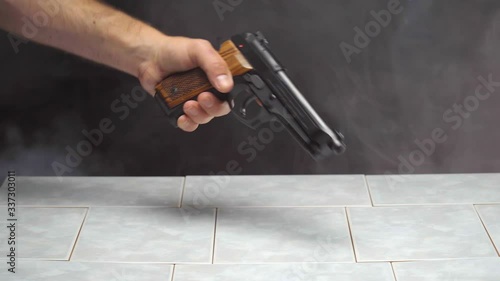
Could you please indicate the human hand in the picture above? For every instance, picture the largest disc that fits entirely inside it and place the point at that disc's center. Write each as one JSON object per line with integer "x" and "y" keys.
{"x": 176, "y": 54}
{"x": 96, "y": 31}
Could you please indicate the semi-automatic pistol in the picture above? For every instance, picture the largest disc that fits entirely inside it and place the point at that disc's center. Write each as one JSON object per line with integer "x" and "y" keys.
{"x": 262, "y": 92}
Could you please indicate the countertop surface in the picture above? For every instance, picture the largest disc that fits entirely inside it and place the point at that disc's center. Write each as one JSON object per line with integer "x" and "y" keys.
{"x": 439, "y": 227}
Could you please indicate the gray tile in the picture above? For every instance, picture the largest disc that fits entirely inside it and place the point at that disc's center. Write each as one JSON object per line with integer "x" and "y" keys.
{"x": 490, "y": 214}
{"x": 282, "y": 235}
{"x": 146, "y": 235}
{"x": 285, "y": 272}
{"x": 300, "y": 191}
{"x": 418, "y": 232}
{"x": 45, "y": 233}
{"x": 487, "y": 269}
{"x": 97, "y": 191}
{"x": 75, "y": 271}
{"x": 434, "y": 189}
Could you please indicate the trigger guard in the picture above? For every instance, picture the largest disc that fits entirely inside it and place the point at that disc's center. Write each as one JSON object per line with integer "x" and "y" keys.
{"x": 240, "y": 99}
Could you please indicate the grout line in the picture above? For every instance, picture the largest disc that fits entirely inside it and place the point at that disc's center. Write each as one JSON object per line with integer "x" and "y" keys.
{"x": 182, "y": 191}
{"x": 351, "y": 235}
{"x": 215, "y": 233}
{"x": 173, "y": 272}
{"x": 265, "y": 206}
{"x": 486, "y": 229}
{"x": 487, "y": 203}
{"x": 393, "y": 271}
{"x": 368, "y": 189}
{"x": 427, "y": 259}
{"x": 79, "y": 232}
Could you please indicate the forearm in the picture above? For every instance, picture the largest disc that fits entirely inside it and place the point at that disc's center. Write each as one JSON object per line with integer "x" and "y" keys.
{"x": 93, "y": 30}
{"x": 86, "y": 28}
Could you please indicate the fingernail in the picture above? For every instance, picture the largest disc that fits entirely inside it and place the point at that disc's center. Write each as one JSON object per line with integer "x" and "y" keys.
{"x": 223, "y": 81}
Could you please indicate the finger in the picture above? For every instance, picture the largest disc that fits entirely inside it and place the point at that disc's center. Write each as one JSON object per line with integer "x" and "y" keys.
{"x": 186, "y": 124}
{"x": 205, "y": 56}
{"x": 196, "y": 113}
{"x": 212, "y": 105}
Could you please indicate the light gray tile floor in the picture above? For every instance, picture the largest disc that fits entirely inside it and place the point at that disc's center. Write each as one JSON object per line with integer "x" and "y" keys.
{"x": 487, "y": 269}
{"x": 146, "y": 235}
{"x": 490, "y": 214}
{"x": 282, "y": 235}
{"x": 44, "y": 233}
{"x": 275, "y": 191}
{"x": 434, "y": 189}
{"x": 285, "y": 272}
{"x": 76, "y": 271}
{"x": 264, "y": 228}
{"x": 418, "y": 233}
{"x": 97, "y": 191}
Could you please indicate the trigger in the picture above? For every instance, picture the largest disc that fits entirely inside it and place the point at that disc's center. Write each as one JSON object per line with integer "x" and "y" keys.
{"x": 246, "y": 107}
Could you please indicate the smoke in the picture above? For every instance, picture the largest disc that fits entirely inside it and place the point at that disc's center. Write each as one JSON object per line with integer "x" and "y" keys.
{"x": 392, "y": 93}
{"x": 31, "y": 150}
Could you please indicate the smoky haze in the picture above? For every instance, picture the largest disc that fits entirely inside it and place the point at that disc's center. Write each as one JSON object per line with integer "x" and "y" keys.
{"x": 393, "y": 94}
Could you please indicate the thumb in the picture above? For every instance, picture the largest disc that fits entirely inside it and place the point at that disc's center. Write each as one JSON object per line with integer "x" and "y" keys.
{"x": 208, "y": 59}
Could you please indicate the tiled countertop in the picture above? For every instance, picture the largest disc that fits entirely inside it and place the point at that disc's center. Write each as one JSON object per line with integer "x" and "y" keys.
{"x": 317, "y": 227}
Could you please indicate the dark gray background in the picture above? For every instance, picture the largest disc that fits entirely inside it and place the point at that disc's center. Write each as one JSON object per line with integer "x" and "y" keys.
{"x": 392, "y": 93}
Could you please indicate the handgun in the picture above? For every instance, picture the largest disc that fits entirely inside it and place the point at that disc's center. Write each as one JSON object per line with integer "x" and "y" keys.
{"x": 262, "y": 92}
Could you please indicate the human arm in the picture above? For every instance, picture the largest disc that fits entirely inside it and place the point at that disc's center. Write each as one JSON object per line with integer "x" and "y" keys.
{"x": 98, "y": 32}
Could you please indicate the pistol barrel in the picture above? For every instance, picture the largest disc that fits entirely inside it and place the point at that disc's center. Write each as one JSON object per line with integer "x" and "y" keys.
{"x": 293, "y": 110}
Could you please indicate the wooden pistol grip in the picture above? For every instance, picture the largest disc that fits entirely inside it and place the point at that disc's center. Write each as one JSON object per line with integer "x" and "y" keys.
{"x": 181, "y": 87}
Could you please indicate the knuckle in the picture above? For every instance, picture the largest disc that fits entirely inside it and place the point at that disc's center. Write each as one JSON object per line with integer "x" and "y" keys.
{"x": 215, "y": 112}
{"x": 203, "y": 44}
